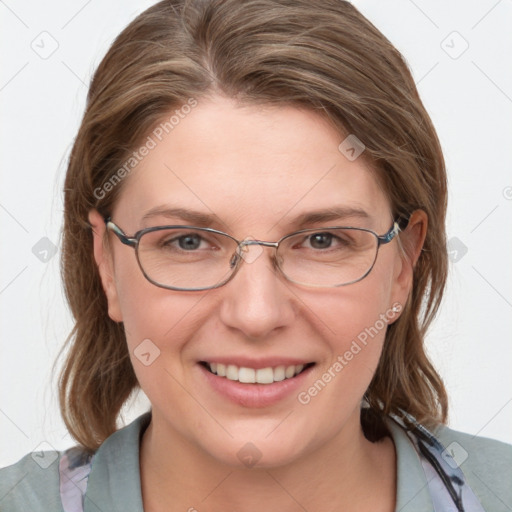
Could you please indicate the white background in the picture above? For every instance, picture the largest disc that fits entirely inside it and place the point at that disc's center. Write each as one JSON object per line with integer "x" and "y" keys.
{"x": 468, "y": 97}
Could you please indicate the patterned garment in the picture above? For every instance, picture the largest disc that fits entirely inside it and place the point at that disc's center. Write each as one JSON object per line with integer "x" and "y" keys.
{"x": 448, "y": 488}
{"x": 447, "y": 485}
{"x": 74, "y": 469}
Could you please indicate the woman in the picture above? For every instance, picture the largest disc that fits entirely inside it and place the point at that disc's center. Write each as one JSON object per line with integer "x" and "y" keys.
{"x": 254, "y": 235}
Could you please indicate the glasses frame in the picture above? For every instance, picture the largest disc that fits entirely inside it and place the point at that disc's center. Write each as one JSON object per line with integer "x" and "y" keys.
{"x": 134, "y": 240}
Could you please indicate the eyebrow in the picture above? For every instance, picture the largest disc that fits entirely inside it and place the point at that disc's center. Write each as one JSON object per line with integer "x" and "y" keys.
{"x": 197, "y": 218}
{"x": 190, "y": 216}
{"x": 331, "y": 214}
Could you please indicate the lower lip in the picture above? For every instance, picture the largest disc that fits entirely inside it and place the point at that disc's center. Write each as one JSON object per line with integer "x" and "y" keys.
{"x": 255, "y": 395}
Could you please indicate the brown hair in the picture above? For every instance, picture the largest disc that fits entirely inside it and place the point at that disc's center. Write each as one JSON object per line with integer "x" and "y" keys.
{"x": 324, "y": 56}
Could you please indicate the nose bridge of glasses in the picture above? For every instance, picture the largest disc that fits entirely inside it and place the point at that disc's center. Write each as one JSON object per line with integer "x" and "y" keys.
{"x": 251, "y": 256}
{"x": 252, "y": 241}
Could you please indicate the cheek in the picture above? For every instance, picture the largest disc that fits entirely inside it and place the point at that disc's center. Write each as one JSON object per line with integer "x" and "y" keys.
{"x": 168, "y": 318}
{"x": 353, "y": 322}
{"x": 359, "y": 312}
{"x": 155, "y": 320}
{"x": 147, "y": 310}
{"x": 161, "y": 327}
{"x": 356, "y": 338}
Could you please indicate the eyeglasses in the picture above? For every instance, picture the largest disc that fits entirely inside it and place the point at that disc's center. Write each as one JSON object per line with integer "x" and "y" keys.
{"x": 190, "y": 258}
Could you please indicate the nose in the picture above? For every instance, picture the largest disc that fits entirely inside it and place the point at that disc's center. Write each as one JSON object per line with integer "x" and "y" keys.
{"x": 256, "y": 301}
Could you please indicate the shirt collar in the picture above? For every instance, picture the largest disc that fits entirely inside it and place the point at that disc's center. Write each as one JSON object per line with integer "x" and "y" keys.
{"x": 412, "y": 486}
{"x": 114, "y": 481}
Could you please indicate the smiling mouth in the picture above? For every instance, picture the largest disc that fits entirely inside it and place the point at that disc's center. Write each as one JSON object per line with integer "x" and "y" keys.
{"x": 245, "y": 375}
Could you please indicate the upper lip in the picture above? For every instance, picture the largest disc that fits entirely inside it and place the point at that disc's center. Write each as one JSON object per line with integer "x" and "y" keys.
{"x": 265, "y": 362}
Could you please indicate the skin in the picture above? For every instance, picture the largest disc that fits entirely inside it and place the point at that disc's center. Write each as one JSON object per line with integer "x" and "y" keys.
{"x": 256, "y": 169}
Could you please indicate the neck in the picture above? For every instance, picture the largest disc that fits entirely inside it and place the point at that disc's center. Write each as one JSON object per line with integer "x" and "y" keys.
{"x": 178, "y": 475}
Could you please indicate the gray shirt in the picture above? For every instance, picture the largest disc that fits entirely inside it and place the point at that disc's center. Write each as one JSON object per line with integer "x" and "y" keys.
{"x": 448, "y": 471}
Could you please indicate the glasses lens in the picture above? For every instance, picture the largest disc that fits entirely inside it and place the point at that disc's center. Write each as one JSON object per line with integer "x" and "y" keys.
{"x": 333, "y": 257}
{"x": 185, "y": 258}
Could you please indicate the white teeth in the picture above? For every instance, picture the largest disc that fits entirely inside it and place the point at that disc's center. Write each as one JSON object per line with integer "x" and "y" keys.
{"x": 279, "y": 373}
{"x": 232, "y": 372}
{"x": 264, "y": 376}
{"x": 289, "y": 372}
{"x": 251, "y": 375}
{"x": 247, "y": 375}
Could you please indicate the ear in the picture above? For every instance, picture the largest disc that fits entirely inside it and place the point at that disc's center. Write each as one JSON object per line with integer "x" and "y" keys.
{"x": 411, "y": 240}
{"x": 104, "y": 260}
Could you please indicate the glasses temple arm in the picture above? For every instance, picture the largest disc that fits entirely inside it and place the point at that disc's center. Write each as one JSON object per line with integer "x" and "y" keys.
{"x": 119, "y": 233}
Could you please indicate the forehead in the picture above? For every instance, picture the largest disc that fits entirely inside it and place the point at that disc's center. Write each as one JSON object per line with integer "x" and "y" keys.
{"x": 253, "y": 167}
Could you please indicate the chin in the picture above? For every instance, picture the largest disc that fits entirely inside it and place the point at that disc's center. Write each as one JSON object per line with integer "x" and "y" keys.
{"x": 257, "y": 454}
{"x": 262, "y": 448}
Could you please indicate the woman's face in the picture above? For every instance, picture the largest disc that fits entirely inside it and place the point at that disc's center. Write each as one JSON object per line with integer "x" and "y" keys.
{"x": 256, "y": 172}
